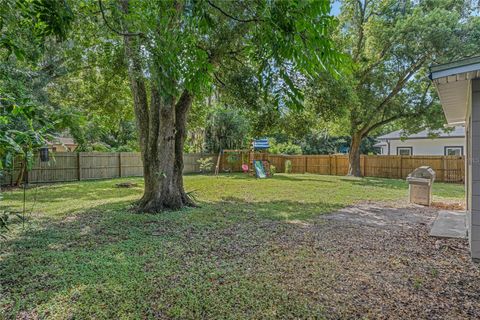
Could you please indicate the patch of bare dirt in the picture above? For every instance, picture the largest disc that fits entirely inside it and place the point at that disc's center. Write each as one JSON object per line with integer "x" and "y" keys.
{"x": 449, "y": 205}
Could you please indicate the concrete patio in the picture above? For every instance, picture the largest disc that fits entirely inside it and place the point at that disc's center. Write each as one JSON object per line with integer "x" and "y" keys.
{"x": 449, "y": 224}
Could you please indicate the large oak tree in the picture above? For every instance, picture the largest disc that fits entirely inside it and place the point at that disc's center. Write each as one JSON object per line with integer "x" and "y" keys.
{"x": 176, "y": 50}
{"x": 391, "y": 45}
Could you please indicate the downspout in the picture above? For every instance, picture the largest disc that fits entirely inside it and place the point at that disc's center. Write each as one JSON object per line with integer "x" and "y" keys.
{"x": 388, "y": 146}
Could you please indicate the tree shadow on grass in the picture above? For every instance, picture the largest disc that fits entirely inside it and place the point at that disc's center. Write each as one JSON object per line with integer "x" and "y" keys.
{"x": 95, "y": 254}
{"x": 277, "y": 209}
{"x": 105, "y": 262}
{"x": 281, "y": 176}
{"x": 225, "y": 259}
{"x": 305, "y": 177}
{"x": 396, "y": 184}
{"x": 71, "y": 194}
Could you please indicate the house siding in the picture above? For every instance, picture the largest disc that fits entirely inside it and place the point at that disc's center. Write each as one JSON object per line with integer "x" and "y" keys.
{"x": 473, "y": 186}
{"x": 425, "y": 146}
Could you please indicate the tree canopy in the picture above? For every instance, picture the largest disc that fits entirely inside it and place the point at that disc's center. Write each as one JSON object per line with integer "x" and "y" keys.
{"x": 165, "y": 77}
{"x": 176, "y": 50}
{"x": 390, "y": 45}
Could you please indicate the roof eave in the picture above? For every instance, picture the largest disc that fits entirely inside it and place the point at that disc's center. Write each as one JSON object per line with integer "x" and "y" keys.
{"x": 455, "y": 67}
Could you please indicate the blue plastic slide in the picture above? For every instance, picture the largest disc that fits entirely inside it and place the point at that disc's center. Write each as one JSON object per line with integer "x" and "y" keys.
{"x": 259, "y": 169}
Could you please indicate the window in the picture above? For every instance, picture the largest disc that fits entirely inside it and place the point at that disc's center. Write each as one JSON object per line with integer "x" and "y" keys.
{"x": 404, "y": 151}
{"x": 454, "y": 151}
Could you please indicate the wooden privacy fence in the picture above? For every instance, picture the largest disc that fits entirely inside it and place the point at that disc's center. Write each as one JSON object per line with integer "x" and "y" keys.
{"x": 69, "y": 166}
{"x": 447, "y": 168}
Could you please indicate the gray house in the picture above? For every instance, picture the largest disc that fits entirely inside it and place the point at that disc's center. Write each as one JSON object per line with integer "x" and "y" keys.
{"x": 458, "y": 85}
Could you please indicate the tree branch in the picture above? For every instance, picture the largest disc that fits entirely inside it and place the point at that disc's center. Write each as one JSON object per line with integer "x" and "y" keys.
{"x": 218, "y": 79}
{"x": 378, "y": 61}
{"x": 403, "y": 115}
{"x": 230, "y": 16}
{"x": 120, "y": 33}
{"x": 400, "y": 83}
{"x": 360, "y": 29}
{"x": 137, "y": 84}
{"x": 381, "y": 123}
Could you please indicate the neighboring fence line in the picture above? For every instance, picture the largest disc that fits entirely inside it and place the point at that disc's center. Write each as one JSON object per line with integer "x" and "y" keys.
{"x": 76, "y": 166}
{"x": 447, "y": 168}
{"x": 70, "y": 166}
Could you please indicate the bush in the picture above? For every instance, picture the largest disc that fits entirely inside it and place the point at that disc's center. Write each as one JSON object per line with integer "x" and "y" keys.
{"x": 233, "y": 158}
{"x": 131, "y": 146}
{"x": 206, "y": 164}
{"x": 288, "y": 166}
{"x": 284, "y": 148}
{"x": 273, "y": 170}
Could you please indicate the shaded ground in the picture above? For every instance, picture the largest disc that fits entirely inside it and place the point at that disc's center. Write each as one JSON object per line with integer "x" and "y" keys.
{"x": 255, "y": 249}
{"x": 392, "y": 268}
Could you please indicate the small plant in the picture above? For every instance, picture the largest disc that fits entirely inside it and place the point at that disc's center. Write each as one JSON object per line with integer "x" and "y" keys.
{"x": 4, "y": 217}
{"x": 273, "y": 170}
{"x": 232, "y": 158}
{"x": 288, "y": 166}
{"x": 206, "y": 164}
{"x": 417, "y": 283}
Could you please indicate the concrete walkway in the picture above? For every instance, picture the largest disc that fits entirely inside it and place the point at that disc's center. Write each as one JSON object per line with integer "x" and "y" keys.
{"x": 449, "y": 224}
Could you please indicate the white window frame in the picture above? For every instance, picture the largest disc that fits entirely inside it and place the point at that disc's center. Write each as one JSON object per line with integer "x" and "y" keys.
{"x": 410, "y": 150}
{"x": 446, "y": 148}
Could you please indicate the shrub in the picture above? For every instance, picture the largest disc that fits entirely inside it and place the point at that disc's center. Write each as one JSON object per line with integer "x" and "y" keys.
{"x": 284, "y": 148}
{"x": 206, "y": 164}
{"x": 233, "y": 158}
{"x": 273, "y": 170}
{"x": 288, "y": 166}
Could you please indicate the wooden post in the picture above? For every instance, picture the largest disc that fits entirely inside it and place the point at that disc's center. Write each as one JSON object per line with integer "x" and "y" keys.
{"x": 305, "y": 165}
{"x": 364, "y": 172}
{"x": 444, "y": 169}
{"x": 119, "y": 164}
{"x": 401, "y": 167}
{"x": 217, "y": 167}
{"x": 336, "y": 166}
{"x": 79, "y": 169}
{"x": 330, "y": 164}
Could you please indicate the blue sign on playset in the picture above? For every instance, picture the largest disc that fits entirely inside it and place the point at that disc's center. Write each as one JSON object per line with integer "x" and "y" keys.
{"x": 260, "y": 144}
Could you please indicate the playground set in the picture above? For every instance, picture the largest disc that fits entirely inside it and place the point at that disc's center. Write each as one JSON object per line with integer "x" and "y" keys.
{"x": 255, "y": 166}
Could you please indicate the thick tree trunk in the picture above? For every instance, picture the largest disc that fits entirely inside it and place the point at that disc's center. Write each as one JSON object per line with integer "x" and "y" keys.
{"x": 354, "y": 156}
{"x": 181, "y": 112}
{"x": 162, "y": 189}
{"x": 161, "y": 123}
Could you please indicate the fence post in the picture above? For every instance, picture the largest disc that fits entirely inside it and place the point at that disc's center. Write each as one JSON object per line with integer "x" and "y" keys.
{"x": 330, "y": 164}
{"x": 79, "y": 168}
{"x": 401, "y": 167}
{"x": 364, "y": 173}
{"x": 336, "y": 165}
{"x": 305, "y": 165}
{"x": 444, "y": 168}
{"x": 119, "y": 164}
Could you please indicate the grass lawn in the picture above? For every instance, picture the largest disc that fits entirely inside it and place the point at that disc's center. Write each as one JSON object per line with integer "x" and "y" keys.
{"x": 83, "y": 254}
